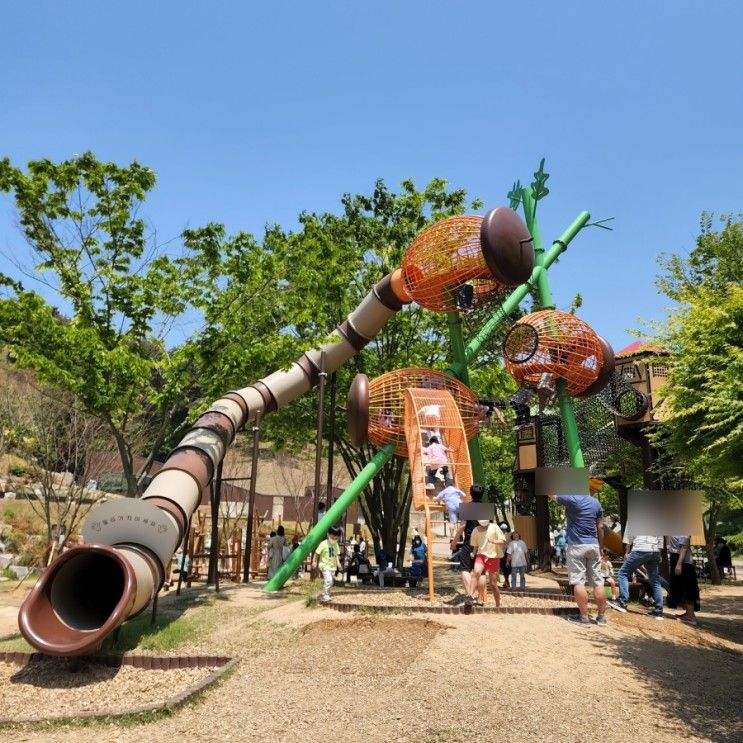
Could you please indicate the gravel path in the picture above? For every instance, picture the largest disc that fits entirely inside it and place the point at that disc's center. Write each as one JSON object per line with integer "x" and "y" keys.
{"x": 316, "y": 675}
{"x": 407, "y": 598}
{"x": 46, "y": 688}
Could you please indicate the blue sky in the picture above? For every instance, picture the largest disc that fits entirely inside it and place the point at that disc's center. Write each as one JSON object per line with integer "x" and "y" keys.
{"x": 250, "y": 113}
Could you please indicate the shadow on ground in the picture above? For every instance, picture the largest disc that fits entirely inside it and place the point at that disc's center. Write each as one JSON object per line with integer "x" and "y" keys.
{"x": 701, "y": 687}
{"x": 61, "y": 673}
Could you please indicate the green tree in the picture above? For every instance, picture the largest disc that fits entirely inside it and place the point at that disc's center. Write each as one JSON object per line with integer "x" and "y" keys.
{"x": 335, "y": 259}
{"x": 702, "y": 405}
{"x": 92, "y": 250}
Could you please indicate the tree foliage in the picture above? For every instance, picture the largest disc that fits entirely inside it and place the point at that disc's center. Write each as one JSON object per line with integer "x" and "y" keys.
{"x": 702, "y": 405}
{"x": 335, "y": 260}
{"x": 93, "y": 252}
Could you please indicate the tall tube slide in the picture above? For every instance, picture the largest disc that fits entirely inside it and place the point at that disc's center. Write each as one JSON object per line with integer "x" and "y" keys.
{"x": 87, "y": 592}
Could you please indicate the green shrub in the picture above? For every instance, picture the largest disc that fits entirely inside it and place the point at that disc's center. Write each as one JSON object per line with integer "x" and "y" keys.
{"x": 735, "y": 542}
{"x": 18, "y": 470}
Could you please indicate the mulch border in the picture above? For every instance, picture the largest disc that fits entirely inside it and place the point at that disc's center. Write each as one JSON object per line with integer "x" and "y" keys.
{"x": 426, "y": 609}
{"x": 223, "y": 664}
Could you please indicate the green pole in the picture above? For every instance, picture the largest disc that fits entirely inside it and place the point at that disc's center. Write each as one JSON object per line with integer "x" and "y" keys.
{"x": 544, "y": 293}
{"x": 318, "y": 532}
{"x": 456, "y": 341}
{"x": 514, "y": 298}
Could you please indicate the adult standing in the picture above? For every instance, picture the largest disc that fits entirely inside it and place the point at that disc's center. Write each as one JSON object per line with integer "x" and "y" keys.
{"x": 518, "y": 557}
{"x": 418, "y": 555}
{"x": 275, "y": 552}
{"x": 464, "y": 531}
{"x": 641, "y": 551}
{"x": 505, "y": 566}
{"x": 560, "y": 545}
{"x": 585, "y": 542}
{"x": 684, "y": 587}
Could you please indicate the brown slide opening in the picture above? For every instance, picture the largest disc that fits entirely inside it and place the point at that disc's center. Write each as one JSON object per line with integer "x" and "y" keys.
{"x": 63, "y": 616}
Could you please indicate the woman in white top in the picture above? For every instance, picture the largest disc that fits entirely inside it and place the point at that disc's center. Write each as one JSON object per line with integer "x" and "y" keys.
{"x": 275, "y": 551}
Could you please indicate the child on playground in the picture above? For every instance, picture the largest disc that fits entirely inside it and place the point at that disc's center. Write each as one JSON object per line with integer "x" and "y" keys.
{"x": 487, "y": 542}
{"x": 452, "y": 498}
{"x": 607, "y": 573}
{"x": 435, "y": 457}
{"x": 327, "y": 560}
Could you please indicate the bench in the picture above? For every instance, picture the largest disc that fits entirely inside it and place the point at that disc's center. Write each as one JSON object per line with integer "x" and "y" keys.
{"x": 393, "y": 580}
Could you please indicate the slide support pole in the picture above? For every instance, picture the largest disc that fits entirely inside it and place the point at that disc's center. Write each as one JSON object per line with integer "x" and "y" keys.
{"x": 332, "y": 516}
{"x": 456, "y": 341}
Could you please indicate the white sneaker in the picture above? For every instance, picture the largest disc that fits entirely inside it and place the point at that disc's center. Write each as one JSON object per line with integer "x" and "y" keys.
{"x": 430, "y": 486}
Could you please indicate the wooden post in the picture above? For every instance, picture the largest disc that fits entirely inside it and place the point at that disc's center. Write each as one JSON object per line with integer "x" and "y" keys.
{"x": 429, "y": 540}
{"x": 212, "y": 576}
{"x": 251, "y": 499}
{"x": 331, "y": 446}
{"x": 318, "y": 437}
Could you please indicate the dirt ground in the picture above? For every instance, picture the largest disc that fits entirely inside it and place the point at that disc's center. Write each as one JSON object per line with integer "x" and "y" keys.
{"x": 312, "y": 674}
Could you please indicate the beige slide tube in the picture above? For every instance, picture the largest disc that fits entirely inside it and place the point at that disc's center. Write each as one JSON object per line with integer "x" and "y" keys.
{"x": 88, "y": 591}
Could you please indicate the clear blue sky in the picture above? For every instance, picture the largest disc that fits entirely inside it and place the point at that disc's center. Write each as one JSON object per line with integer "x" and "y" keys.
{"x": 250, "y": 113}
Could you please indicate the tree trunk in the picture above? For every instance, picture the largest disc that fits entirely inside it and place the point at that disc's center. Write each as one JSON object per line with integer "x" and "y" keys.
{"x": 127, "y": 464}
{"x": 385, "y": 502}
{"x": 710, "y": 532}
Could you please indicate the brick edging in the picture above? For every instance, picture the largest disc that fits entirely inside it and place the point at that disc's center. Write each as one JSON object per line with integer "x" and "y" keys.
{"x": 544, "y": 610}
{"x": 136, "y": 660}
{"x": 223, "y": 664}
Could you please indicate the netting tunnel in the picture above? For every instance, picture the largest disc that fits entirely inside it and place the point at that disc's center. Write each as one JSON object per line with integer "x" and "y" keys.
{"x": 560, "y": 345}
{"x": 464, "y": 261}
{"x": 376, "y": 409}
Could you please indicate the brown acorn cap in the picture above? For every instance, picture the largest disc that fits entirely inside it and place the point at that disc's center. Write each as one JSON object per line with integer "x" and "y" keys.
{"x": 507, "y": 246}
{"x": 605, "y": 373}
{"x": 358, "y": 410}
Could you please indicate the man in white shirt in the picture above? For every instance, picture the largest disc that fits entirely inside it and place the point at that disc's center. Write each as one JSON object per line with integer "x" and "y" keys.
{"x": 641, "y": 550}
{"x": 518, "y": 559}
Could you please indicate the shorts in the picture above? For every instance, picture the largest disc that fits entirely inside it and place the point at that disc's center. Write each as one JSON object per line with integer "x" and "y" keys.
{"x": 465, "y": 559}
{"x": 584, "y": 565}
{"x": 491, "y": 564}
{"x": 454, "y": 517}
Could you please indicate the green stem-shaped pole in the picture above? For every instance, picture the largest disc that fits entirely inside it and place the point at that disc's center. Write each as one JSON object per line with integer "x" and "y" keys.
{"x": 333, "y": 515}
{"x": 456, "y": 342}
{"x": 544, "y": 294}
{"x": 514, "y": 298}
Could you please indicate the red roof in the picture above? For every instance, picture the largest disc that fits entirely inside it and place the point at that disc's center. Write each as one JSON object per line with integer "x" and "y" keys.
{"x": 636, "y": 348}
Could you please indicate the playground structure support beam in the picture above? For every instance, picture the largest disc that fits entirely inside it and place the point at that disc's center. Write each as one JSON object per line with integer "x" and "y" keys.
{"x": 332, "y": 516}
{"x": 544, "y": 295}
{"x": 514, "y": 298}
{"x": 456, "y": 341}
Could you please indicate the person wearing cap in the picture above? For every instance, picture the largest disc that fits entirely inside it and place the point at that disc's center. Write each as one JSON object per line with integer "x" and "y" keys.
{"x": 487, "y": 542}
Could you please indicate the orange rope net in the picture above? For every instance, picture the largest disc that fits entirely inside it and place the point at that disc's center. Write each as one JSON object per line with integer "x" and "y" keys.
{"x": 442, "y": 259}
{"x": 556, "y": 343}
{"x": 387, "y": 404}
{"x": 435, "y": 413}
